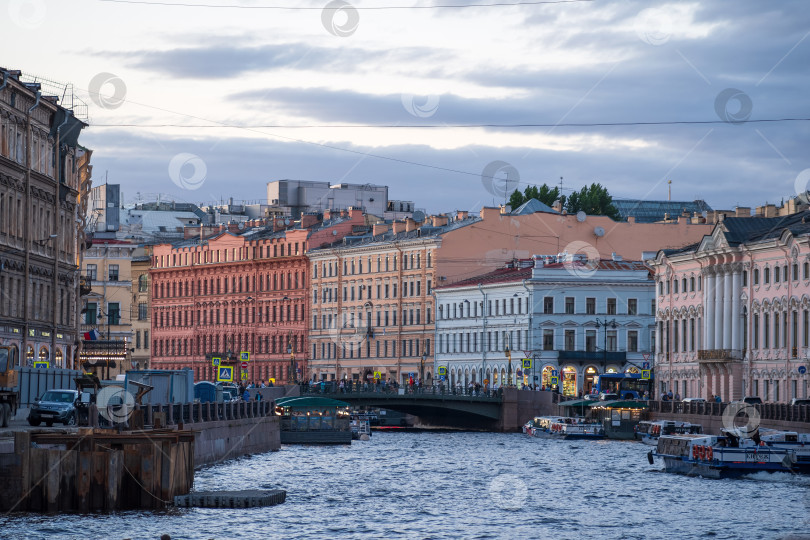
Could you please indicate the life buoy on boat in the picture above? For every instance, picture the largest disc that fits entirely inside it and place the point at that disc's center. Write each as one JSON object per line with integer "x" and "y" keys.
{"x": 709, "y": 453}
{"x": 694, "y": 451}
{"x": 701, "y": 452}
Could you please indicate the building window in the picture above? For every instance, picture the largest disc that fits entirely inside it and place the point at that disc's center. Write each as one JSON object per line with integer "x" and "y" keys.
{"x": 92, "y": 272}
{"x": 632, "y": 341}
{"x": 569, "y": 306}
{"x": 611, "y": 306}
{"x": 590, "y": 340}
{"x": 548, "y": 340}
{"x": 113, "y": 313}
{"x": 142, "y": 311}
{"x": 767, "y": 276}
{"x": 570, "y": 340}
{"x": 745, "y": 278}
{"x": 91, "y": 313}
{"x": 806, "y": 271}
{"x": 113, "y": 271}
{"x": 795, "y": 272}
{"x": 692, "y": 284}
{"x": 675, "y": 286}
{"x": 143, "y": 283}
{"x": 590, "y": 306}
{"x": 632, "y": 306}
{"x": 611, "y": 340}
{"x": 756, "y": 276}
{"x": 548, "y": 305}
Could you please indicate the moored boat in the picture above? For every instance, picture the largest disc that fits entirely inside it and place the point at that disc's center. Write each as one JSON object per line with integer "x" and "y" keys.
{"x": 720, "y": 456}
{"x": 649, "y": 432}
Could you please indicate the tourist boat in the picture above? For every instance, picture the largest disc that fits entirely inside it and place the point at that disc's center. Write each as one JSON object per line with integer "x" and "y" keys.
{"x": 619, "y": 418}
{"x": 648, "y": 432}
{"x": 313, "y": 420}
{"x": 540, "y": 426}
{"x": 721, "y": 456}
{"x": 578, "y": 430}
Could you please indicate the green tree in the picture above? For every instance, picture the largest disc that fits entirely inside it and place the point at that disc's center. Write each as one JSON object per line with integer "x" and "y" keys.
{"x": 547, "y": 195}
{"x": 593, "y": 200}
{"x": 516, "y": 199}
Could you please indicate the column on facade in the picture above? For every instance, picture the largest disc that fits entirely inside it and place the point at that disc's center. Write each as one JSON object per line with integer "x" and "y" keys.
{"x": 708, "y": 300}
{"x": 736, "y": 320}
{"x": 719, "y": 284}
{"x": 727, "y": 317}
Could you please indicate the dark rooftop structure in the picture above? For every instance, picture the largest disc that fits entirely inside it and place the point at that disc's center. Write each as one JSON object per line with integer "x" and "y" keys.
{"x": 652, "y": 211}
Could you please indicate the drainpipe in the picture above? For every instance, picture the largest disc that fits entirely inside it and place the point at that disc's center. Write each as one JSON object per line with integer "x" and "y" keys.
{"x": 26, "y": 223}
{"x": 56, "y": 241}
{"x": 529, "y": 336}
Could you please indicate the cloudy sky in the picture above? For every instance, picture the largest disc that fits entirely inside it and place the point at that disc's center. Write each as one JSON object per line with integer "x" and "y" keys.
{"x": 205, "y": 103}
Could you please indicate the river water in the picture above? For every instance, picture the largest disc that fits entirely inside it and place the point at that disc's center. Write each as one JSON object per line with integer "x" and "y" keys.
{"x": 461, "y": 485}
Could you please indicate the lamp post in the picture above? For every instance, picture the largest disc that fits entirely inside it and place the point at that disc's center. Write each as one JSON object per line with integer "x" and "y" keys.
{"x": 606, "y": 324}
{"x": 508, "y": 352}
{"x": 293, "y": 375}
{"x": 484, "y": 344}
{"x": 422, "y": 369}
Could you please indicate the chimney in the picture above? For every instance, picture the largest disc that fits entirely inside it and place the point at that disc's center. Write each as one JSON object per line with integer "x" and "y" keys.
{"x": 327, "y": 214}
{"x": 631, "y": 219}
{"x": 462, "y": 214}
{"x": 557, "y": 205}
{"x": 410, "y": 225}
{"x": 538, "y": 261}
{"x": 742, "y": 212}
{"x": 308, "y": 220}
{"x": 398, "y": 227}
{"x": 489, "y": 213}
{"x": 506, "y": 208}
{"x": 380, "y": 228}
{"x": 355, "y": 213}
{"x": 439, "y": 221}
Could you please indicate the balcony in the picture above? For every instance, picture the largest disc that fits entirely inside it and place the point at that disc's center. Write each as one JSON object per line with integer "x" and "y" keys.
{"x": 711, "y": 356}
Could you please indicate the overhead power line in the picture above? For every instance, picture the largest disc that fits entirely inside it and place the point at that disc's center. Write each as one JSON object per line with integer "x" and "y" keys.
{"x": 458, "y": 126}
{"x": 359, "y": 8}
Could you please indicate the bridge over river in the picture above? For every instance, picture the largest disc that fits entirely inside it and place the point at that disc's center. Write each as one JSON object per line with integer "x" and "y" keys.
{"x": 505, "y": 409}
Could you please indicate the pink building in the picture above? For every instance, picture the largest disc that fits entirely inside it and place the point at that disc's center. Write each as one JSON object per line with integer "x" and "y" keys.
{"x": 733, "y": 311}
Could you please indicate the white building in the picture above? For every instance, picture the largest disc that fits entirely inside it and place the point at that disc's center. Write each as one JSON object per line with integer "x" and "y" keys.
{"x": 576, "y": 317}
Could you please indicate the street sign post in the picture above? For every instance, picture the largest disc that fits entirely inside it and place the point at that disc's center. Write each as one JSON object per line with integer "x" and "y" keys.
{"x": 244, "y": 356}
{"x": 216, "y": 361}
{"x": 554, "y": 380}
{"x": 645, "y": 373}
{"x": 40, "y": 364}
{"x": 225, "y": 373}
{"x": 244, "y": 365}
{"x": 802, "y": 369}
{"x": 645, "y": 365}
{"x": 442, "y": 370}
{"x": 527, "y": 363}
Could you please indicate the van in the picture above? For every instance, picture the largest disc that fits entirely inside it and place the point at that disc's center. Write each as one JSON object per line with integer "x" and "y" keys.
{"x": 800, "y": 401}
{"x": 752, "y": 400}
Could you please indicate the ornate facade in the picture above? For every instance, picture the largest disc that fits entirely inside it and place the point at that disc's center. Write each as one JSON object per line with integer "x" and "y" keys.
{"x": 43, "y": 172}
{"x": 733, "y": 311}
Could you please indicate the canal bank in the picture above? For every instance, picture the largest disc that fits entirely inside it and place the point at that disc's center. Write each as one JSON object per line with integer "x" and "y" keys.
{"x": 97, "y": 469}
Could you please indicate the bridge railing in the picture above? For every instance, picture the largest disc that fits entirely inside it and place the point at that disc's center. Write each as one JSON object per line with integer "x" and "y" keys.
{"x": 330, "y": 387}
{"x": 767, "y": 411}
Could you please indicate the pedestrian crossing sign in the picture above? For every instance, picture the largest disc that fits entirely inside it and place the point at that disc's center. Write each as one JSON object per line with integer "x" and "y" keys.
{"x": 244, "y": 356}
{"x": 645, "y": 373}
{"x": 442, "y": 370}
{"x": 216, "y": 361}
{"x": 527, "y": 363}
{"x": 377, "y": 375}
{"x": 225, "y": 373}
{"x": 39, "y": 364}
{"x": 555, "y": 380}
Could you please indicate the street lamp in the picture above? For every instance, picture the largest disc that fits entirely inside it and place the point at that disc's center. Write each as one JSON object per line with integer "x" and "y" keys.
{"x": 606, "y": 324}
{"x": 508, "y": 354}
{"x": 293, "y": 375}
{"x": 422, "y": 369}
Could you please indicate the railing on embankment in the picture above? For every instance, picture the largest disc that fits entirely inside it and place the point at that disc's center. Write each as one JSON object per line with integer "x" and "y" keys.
{"x": 714, "y": 416}
{"x": 222, "y": 430}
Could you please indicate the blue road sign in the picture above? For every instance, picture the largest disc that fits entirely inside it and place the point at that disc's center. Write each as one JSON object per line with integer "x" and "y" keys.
{"x": 802, "y": 369}
{"x": 554, "y": 373}
{"x": 645, "y": 365}
{"x": 225, "y": 373}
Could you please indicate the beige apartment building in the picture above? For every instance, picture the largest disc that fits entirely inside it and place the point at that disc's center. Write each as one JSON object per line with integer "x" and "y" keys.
{"x": 108, "y": 308}
{"x": 372, "y": 303}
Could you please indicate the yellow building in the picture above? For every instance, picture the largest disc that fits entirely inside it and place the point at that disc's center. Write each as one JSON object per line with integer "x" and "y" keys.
{"x": 108, "y": 308}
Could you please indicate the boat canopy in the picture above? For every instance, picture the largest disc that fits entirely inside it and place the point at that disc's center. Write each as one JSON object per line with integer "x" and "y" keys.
{"x": 580, "y": 403}
{"x": 621, "y": 404}
{"x": 309, "y": 402}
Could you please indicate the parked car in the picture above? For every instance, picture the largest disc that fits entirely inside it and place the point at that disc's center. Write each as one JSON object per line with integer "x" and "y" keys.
{"x": 800, "y": 401}
{"x": 752, "y": 400}
{"x": 694, "y": 400}
{"x": 54, "y": 406}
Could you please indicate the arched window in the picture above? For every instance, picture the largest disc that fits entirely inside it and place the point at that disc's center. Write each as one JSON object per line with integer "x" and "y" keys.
{"x": 143, "y": 283}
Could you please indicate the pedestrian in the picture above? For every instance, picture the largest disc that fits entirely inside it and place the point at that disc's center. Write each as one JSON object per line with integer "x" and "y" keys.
{"x": 677, "y": 396}
{"x": 717, "y": 399}
{"x": 246, "y": 395}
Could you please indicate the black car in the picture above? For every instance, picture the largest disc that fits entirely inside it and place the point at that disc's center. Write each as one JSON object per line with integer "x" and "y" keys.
{"x": 54, "y": 406}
